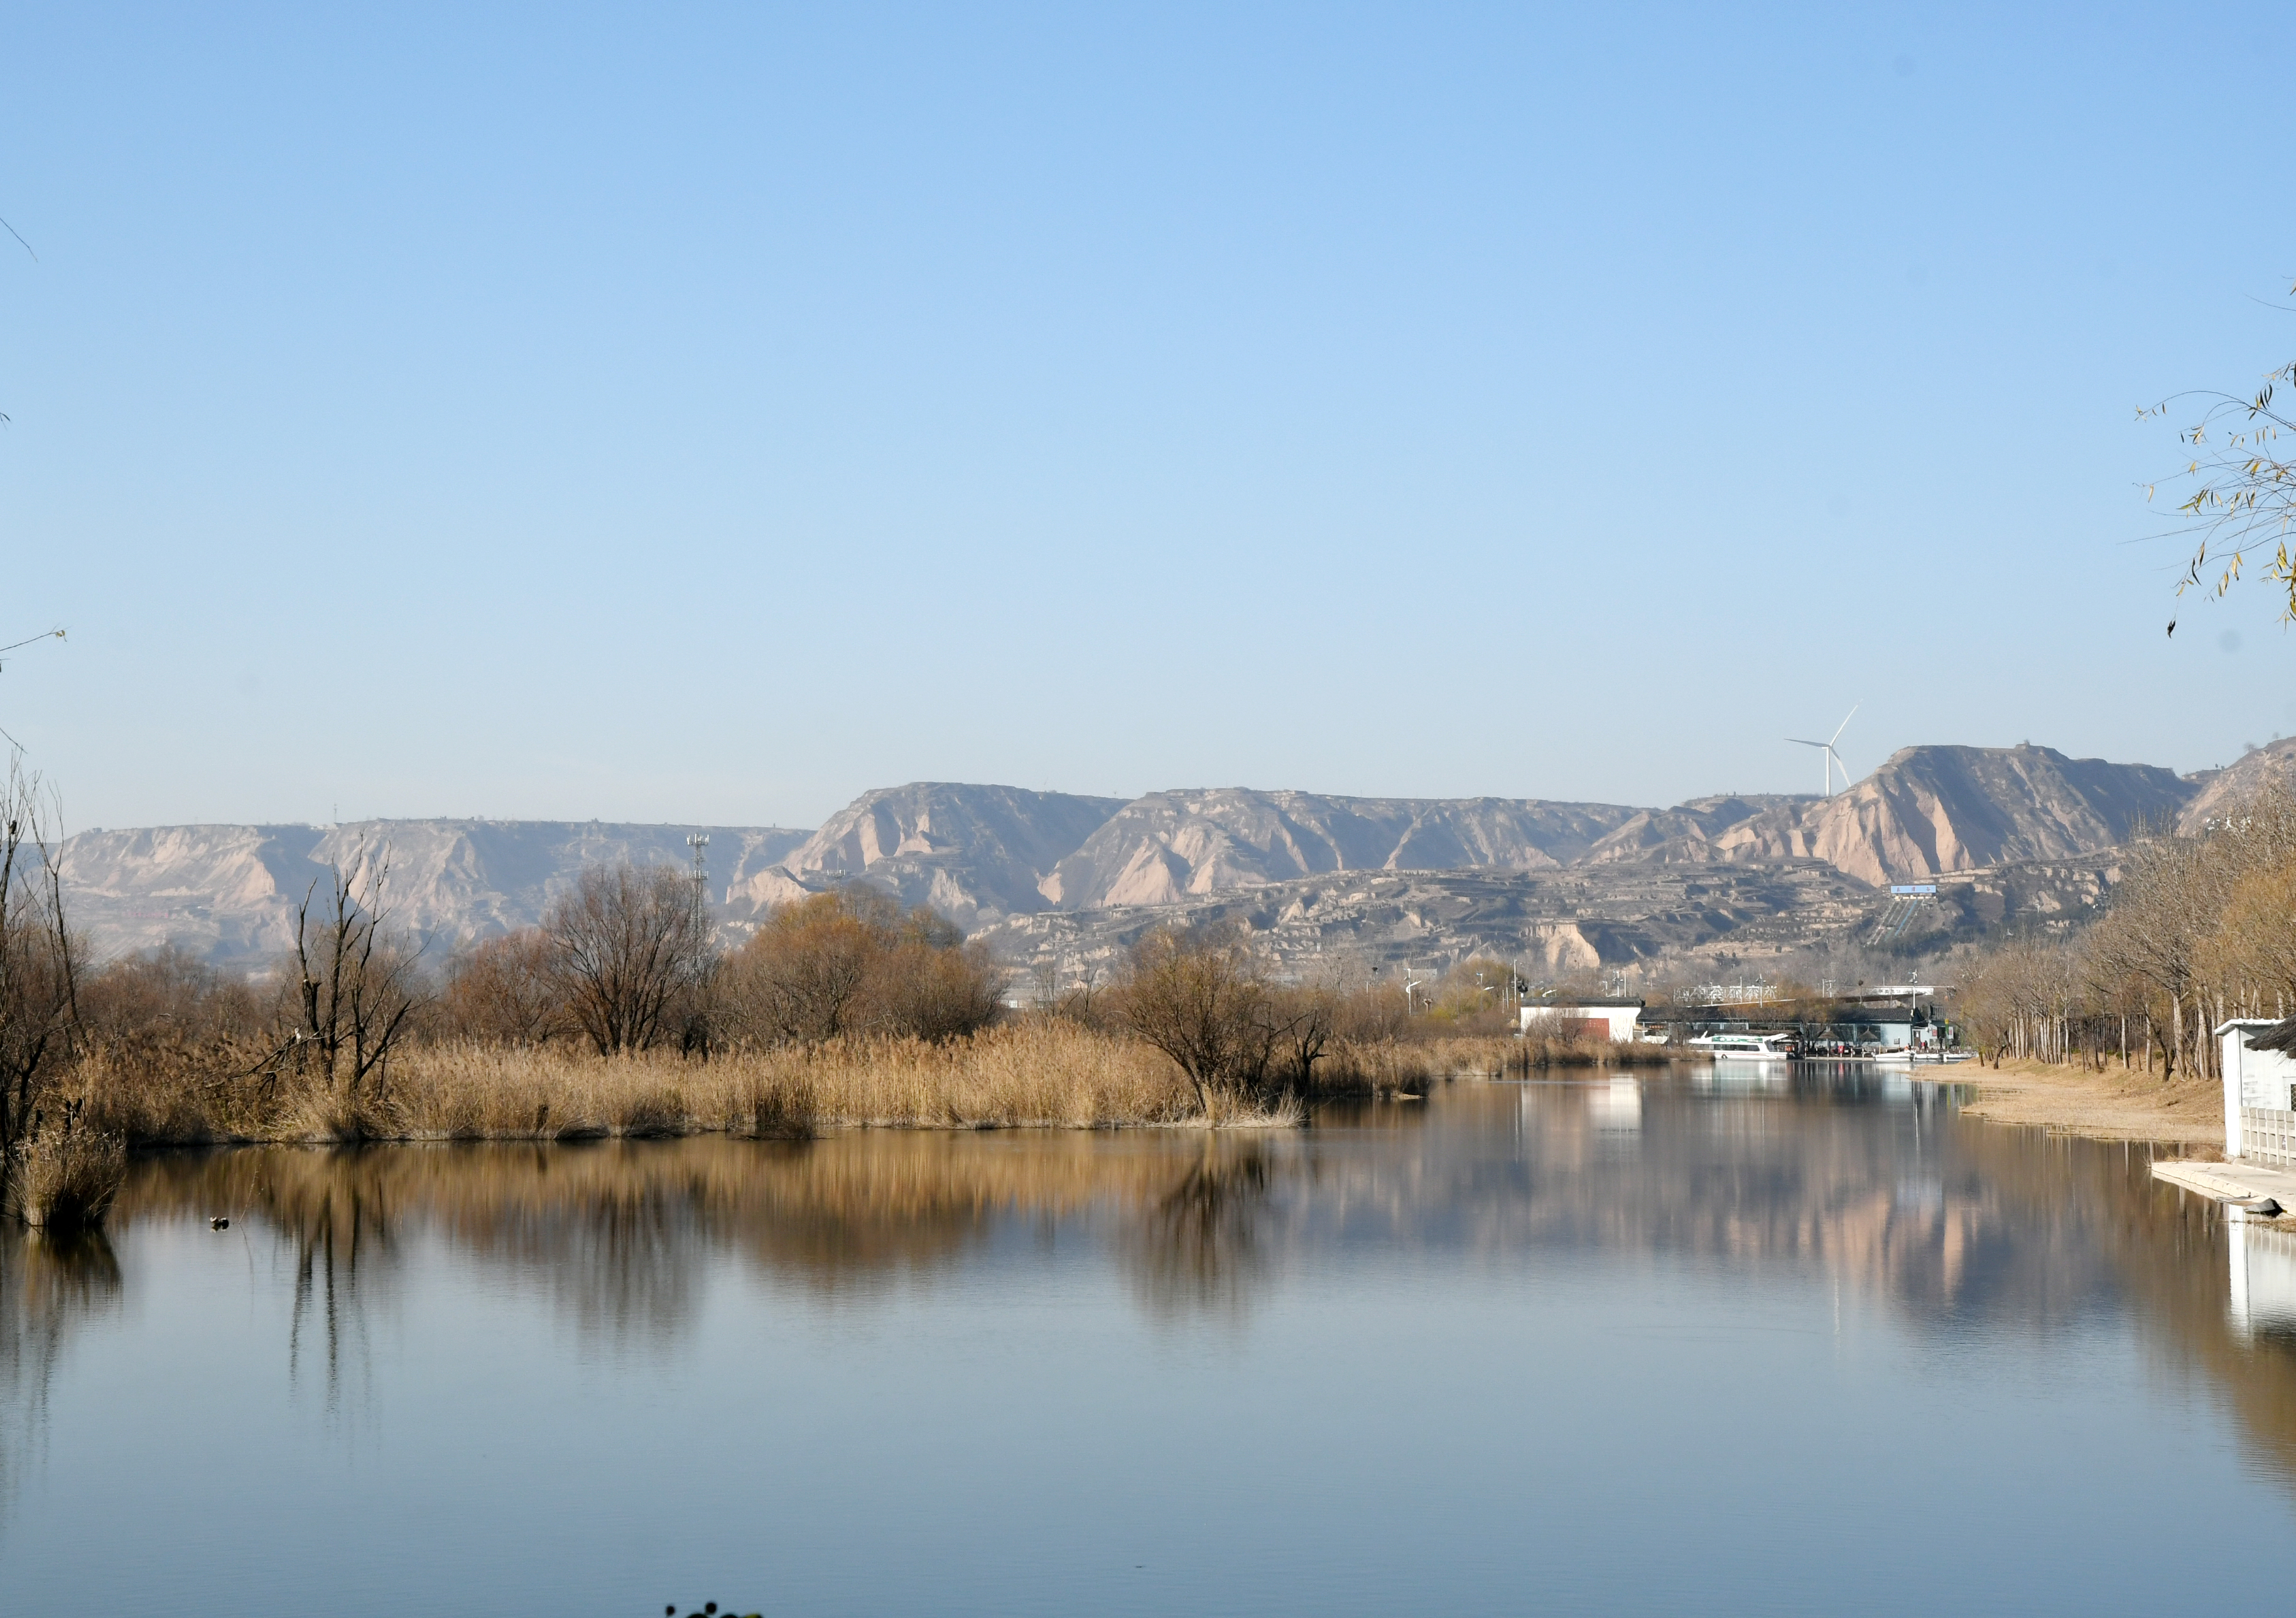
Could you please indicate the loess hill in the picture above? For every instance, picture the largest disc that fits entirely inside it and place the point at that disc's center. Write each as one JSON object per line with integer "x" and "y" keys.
{"x": 2016, "y": 833}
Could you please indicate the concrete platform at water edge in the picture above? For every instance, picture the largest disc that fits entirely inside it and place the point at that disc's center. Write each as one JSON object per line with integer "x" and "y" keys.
{"x": 2259, "y": 1111}
{"x": 2244, "y": 1184}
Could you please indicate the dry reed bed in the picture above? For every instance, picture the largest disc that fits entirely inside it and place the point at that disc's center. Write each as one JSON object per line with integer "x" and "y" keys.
{"x": 1040, "y": 1074}
{"x": 1023, "y": 1075}
{"x": 64, "y": 1178}
{"x": 1389, "y": 1065}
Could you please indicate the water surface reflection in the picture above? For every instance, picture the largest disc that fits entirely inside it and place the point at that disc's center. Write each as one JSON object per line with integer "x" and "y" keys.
{"x": 1862, "y": 1178}
{"x": 1707, "y": 1208}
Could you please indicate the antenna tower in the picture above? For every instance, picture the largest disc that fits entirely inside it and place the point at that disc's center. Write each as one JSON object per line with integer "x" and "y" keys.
{"x": 699, "y": 842}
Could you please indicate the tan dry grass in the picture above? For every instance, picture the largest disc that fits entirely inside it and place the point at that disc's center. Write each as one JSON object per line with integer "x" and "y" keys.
{"x": 1029, "y": 1074}
{"x": 1388, "y": 1066}
{"x": 63, "y": 1178}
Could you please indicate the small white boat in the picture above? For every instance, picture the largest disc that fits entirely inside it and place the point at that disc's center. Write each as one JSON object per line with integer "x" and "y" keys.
{"x": 1905, "y": 1056}
{"x": 1744, "y": 1047}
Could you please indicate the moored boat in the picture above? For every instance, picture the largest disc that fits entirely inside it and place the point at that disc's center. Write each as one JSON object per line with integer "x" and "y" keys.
{"x": 1745, "y": 1047}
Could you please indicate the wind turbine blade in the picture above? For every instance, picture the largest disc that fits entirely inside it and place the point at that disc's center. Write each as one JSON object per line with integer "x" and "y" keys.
{"x": 1798, "y": 742}
{"x": 1846, "y": 718}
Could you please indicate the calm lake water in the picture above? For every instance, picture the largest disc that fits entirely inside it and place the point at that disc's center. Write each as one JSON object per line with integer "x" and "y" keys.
{"x": 1679, "y": 1344}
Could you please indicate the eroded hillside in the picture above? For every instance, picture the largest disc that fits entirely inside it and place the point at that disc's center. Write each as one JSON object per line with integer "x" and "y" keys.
{"x": 1002, "y": 861}
{"x": 229, "y": 892}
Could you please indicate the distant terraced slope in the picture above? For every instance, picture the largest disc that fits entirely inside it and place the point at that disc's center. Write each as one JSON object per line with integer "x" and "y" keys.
{"x": 1174, "y": 845}
{"x": 1553, "y": 923}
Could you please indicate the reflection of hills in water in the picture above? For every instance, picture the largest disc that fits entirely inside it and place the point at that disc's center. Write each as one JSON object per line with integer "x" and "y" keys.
{"x": 1881, "y": 1198}
{"x": 1960, "y": 1229}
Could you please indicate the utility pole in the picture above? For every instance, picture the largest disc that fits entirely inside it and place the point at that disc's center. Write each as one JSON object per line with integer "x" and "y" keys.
{"x": 699, "y": 842}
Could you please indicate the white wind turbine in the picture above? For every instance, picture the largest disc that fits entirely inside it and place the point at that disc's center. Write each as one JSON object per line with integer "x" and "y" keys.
{"x": 1825, "y": 748}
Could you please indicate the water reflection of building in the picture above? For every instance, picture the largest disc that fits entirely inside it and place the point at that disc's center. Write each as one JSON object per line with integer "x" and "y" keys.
{"x": 2263, "y": 1263}
{"x": 1616, "y": 1108}
{"x": 1615, "y": 1111}
{"x": 1726, "y": 1075}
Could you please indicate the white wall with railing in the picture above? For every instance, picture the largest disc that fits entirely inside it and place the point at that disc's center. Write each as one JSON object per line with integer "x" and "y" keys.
{"x": 2260, "y": 1095}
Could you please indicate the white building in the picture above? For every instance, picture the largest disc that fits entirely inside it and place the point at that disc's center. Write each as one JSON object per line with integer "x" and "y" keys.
{"x": 1618, "y": 1018}
{"x": 2260, "y": 1089}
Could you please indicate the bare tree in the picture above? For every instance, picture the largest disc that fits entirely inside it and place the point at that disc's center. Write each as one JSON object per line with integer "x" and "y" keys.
{"x": 508, "y": 991}
{"x": 1309, "y": 1018}
{"x": 38, "y": 961}
{"x": 628, "y": 942}
{"x": 851, "y": 962}
{"x": 2199, "y": 930}
{"x": 167, "y": 997}
{"x": 357, "y": 983}
{"x": 803, "y": 973}
{"x": 2253, "y": 948}
{"x": 932, "y": 984}
{"x": 1204, "y": 1001}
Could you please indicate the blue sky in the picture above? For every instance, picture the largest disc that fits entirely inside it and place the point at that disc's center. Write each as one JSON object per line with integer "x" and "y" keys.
{"x": 708, "y": 413}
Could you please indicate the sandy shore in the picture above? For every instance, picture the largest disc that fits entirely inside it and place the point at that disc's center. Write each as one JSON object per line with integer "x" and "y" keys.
{"x": 2108, "y": 1105}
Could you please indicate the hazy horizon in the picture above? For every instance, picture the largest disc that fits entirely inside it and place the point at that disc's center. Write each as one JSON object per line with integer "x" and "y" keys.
{"x": 704, "y": 417}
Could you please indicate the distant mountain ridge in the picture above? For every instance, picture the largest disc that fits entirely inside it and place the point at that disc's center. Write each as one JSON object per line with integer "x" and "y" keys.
{"x": 1927, "y": 811}
{"x": 985, "y": 854}
{"x": 230, "y": 891}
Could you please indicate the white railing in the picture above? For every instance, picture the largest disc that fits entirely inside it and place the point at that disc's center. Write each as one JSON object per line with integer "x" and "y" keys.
{"x": 2267, "y": 1135}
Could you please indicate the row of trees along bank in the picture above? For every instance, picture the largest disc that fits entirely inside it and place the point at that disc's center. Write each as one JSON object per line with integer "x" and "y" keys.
{"x": 2200, "y": 929}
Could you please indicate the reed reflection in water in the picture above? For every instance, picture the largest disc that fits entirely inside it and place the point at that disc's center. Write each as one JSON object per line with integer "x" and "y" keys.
{"x": 996, "y": 1371}
{"x": 49, "y": 1288}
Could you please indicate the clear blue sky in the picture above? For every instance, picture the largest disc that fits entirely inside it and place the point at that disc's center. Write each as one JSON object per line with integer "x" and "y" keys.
{"x": 710, "y": 413}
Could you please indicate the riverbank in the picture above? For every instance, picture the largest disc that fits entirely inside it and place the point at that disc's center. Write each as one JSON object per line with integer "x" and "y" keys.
{"x": 1034, "y": 1073}
{"x": 2113, "y": 1105}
